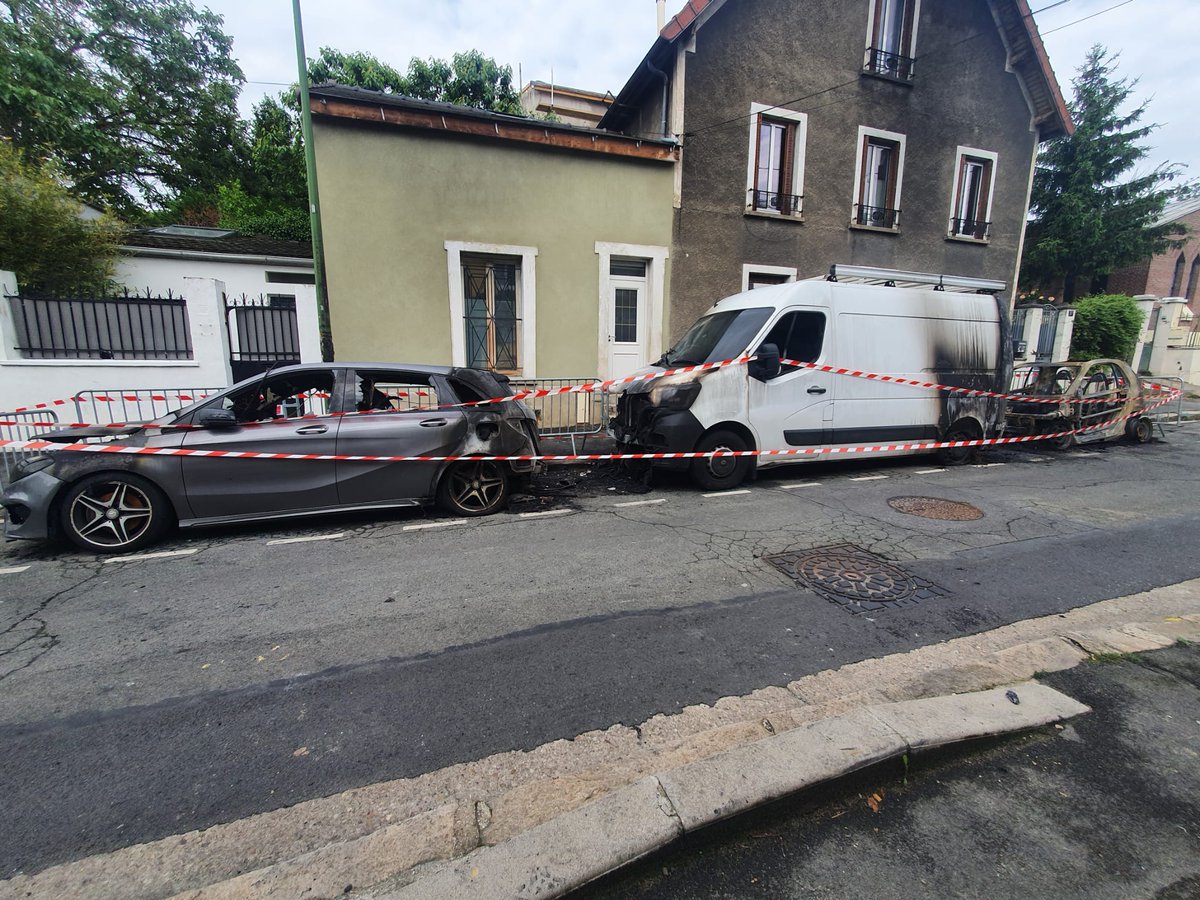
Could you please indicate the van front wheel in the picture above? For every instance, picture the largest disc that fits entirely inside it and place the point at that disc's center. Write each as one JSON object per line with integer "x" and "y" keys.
{"x": 718, "y": 473}
{"x": 959, "y": 456}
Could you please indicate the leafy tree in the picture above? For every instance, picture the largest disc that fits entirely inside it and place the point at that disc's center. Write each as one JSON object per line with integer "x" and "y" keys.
{"x": 1092, "y": 213}
{"x": 135, "y": 99}
{"x": 469, "y": 79}
{"x": 42, "y": 237}
{"x": 1106, "y": 326}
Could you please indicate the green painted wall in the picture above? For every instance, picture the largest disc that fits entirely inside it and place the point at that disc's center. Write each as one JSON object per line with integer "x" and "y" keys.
{"x": 391, "y": 197}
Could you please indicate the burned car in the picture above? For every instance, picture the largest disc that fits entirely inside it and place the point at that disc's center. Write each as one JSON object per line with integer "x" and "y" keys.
{"x": 1103, "y": 396}
{"x": 110, "y": 503}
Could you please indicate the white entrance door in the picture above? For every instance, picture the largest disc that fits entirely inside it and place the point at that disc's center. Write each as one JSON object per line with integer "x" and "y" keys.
{"x": 628, "y": 329}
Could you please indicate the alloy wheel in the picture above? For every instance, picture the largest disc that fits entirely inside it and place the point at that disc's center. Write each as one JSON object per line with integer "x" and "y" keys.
{"x": 111, "y": 514}
{"x": 477, "y": 487}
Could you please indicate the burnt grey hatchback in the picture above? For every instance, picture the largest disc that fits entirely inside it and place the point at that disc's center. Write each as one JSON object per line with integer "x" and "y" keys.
{"x": 117, "y": 503}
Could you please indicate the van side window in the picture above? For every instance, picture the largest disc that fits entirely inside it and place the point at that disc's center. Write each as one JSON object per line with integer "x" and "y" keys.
{"x": 799, "y": 336}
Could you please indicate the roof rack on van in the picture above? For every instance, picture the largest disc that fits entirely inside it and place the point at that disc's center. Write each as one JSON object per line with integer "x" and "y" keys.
{"x": 898, "y": 278}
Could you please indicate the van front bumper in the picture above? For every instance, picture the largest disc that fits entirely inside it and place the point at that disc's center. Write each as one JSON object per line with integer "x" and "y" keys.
{"x": 643, "y": 428}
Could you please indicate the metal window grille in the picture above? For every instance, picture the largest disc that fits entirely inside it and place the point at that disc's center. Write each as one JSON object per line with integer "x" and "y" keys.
{"x": 120, "y": 327}
{"x": 890, "y": 65}
{"x": 492, "y": 320}
{"x": 784, "y": 204}
{"x": 876, "y": 216}
{"x": 973, "y": 228}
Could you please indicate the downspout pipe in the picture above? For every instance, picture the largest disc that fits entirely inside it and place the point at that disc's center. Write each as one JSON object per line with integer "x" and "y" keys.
{"x": 665, "y": 83}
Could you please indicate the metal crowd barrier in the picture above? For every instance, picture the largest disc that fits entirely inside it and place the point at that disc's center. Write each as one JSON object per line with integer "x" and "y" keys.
{"x": 1163, "y": 417}
{"x": 134, "y": 404}
{"x": 574, "y": 416}
{"x": 11, "y": 457}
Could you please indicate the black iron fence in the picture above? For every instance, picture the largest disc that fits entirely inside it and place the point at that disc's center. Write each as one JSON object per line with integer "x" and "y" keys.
{"x": 263, "y": 332}
{"x": 126, "y": 326}
{"x": 876, "y": 216}
{"x": 889, "y": 65}
{"x": 972, "y": 228}
{"x": 770, "y": 201}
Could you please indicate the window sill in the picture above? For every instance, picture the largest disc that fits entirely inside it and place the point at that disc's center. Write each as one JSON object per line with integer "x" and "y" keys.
{"x": 966, "y": 239}
{"x": 855, "y": 226}
{"x": 892, "y": 79}
{"x": 764, "y": 214}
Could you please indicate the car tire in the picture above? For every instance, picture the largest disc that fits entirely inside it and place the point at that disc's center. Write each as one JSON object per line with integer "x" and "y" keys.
{"x": 114, "y": 512}
{"x": 474, "y": 488}
{"x": 718, "y": 473}
{"x": 1140, "y": 430}
{"x": 1066, "y": 442}
{"x": 959, "y": 456}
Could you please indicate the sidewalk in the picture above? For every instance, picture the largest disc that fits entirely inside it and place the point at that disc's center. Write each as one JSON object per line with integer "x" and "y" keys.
{"x": 1106, "y": 805}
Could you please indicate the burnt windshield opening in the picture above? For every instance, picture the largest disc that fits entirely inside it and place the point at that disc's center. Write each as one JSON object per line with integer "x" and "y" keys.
{"x": 717, "y": 337}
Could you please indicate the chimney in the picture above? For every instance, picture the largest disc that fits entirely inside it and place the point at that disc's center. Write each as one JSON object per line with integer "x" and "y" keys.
{"x": 662, "y": 14}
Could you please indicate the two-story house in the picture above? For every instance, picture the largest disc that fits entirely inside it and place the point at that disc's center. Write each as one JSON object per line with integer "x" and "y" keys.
{"x": 897, "y": 134}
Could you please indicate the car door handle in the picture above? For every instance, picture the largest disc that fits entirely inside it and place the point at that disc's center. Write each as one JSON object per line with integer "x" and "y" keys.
{"x": 816, "y": 390}
{"x": 433, "y": 423}
{"x": 312, "y": 429}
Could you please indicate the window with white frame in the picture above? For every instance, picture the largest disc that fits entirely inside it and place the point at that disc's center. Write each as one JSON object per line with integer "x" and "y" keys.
{"x": 891, "y": 37}
{"x": 971, "y": 208}
{"x": 880, "y": 167}
{"x": 491, "y": 312}
{"x": 775, "y": 170}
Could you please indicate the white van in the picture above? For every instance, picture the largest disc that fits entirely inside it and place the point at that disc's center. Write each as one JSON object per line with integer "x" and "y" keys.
{"x": 921, "y": 333}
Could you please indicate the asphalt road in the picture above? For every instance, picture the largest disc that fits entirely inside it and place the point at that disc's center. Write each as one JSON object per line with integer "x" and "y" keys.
{"x": 1105, "y": 806}
{"x": 150, "y": 696}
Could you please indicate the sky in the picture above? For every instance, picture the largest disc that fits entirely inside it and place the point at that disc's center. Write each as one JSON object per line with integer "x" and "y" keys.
{"x": 584, "y": 44}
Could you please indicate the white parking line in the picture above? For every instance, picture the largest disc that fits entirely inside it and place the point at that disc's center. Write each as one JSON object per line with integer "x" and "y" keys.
{"x": 13, "y": 570}
{"x": 545, "y": 512}
{"x": 305, "y": 540}
{"x": 799, "y": 484}
{"x": 642, "y": 502}
{"x": 868, "y": 477}
{"x": 929, "y": 471}
{"x": 165, "y": 554}
{"x": 988, "y": 465}
{"x": 445, "y": 523}
{"x": 725, "y": 493}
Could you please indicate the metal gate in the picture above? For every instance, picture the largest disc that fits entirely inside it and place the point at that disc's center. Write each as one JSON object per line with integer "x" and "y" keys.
{"x": 262, "y": 333}
{"x": 1048, "y": 332}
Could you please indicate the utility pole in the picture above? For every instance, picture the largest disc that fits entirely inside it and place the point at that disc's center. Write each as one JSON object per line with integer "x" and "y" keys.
{"x": 314, "y": 202}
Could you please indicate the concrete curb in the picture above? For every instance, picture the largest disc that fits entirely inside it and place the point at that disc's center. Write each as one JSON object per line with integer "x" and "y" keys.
{"x": 378, "y": 832}
{"x": 580, "y": 846}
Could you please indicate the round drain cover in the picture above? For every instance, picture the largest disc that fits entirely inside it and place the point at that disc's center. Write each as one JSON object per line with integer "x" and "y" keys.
{"x": 936, "y": 508}
{"x": 855, "y": 576}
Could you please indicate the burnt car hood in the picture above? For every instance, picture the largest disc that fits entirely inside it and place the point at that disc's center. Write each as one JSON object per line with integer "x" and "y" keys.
{"x": 72, "y": 435}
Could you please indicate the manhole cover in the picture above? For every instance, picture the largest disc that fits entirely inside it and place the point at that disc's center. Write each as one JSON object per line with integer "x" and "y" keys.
{"x": 854, "y": 578}
{"x": 936, "y": 508}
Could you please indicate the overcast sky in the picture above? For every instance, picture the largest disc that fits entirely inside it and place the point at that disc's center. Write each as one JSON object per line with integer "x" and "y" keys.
{"x": 597, "y": 45}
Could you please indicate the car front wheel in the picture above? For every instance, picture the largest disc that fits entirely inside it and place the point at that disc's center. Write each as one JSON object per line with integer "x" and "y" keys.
{"x": 474, "y": 488}
{"x": 114, "y": 513}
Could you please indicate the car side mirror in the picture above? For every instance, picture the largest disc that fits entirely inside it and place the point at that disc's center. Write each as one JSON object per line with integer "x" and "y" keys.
{"x": 765, "y": 365}
{"x": 217, "y": 418}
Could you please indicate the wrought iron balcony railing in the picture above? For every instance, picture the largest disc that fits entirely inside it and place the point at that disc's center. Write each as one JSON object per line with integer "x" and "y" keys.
{"x": 770, "y": 201}
{"x": 876, "y": 216}
{"x": 889, "y": 65}
{"x": 971, "y": 228}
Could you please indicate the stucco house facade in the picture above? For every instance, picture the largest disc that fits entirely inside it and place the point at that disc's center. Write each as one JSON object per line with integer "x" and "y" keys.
{"x": 887, "y": 133}
{"x": 458, "y": 236}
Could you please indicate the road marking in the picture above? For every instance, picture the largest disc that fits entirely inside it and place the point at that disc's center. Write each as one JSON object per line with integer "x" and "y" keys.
{"x": 1037, "y": 459}
{"x": 305, "y": 540}
{"x": 13, "y": 570}
{"x": 868, "y": 477}
{"x": 165, "y": 554}
{"x": 440, "y": 524}
{"x": 988, "y": 465}
{"x": 642, "y": 502}
{"x": 930, "y": 471}
{"x": 799, "y": 484}
{"x": 726, "y": 493}
{"x": 545, "y": 512}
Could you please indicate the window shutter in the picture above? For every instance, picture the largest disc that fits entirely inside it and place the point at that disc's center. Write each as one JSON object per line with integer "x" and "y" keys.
{"x": 786, "y": 206}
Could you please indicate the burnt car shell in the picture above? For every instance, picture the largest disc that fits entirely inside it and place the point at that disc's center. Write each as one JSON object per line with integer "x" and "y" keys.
{"x": 1115, "y": 390}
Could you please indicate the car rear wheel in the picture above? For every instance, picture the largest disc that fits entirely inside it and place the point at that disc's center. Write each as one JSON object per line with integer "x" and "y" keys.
{"x": 717, "y": 473}
{"x": 114, "y": 513}
{"x": 474, "y": 488}
{"x": 959, "y": 456}
{"x": 1140, "y": 430}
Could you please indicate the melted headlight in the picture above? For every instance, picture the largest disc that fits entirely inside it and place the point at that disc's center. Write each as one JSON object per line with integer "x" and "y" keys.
{"x": 675, "y": 396}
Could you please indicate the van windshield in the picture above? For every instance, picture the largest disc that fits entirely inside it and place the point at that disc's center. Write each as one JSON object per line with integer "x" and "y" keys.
{"x": 720, "y": 336}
